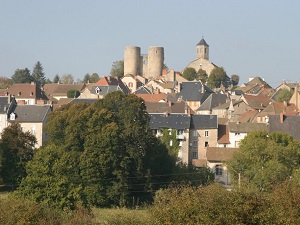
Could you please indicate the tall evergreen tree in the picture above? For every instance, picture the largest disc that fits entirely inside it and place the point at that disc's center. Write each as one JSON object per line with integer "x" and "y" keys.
{"x": 56, "y": 79}
{"x": 38, "y": 74}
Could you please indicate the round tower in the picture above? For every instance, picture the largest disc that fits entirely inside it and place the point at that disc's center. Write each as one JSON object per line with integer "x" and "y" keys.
{"x": 155, "y": 61}
{"x": 132, "y": 60}
{"x": 202, "y": 50}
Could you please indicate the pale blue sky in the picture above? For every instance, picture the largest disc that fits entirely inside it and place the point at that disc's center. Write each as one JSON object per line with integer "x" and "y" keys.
{"x": 248, "y": 38}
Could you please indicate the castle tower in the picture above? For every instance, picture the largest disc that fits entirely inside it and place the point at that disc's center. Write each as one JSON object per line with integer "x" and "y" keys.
{"x": 202, "y": 50}
{"x": 155, "y": 62}
{"x": 132, "y": 60}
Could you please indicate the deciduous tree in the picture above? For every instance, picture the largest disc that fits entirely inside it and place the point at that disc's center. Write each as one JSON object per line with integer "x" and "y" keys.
{"x": 117, "y": 69}
{"x": 22, "y": 76}
{"x": 67, "y": 79}
{"x": 216, "y": 77}
{"x": 190, "y": 74}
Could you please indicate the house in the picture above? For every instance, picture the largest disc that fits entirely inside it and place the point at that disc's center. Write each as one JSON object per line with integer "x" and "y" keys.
{"x": 162, "y": 107}
{"x": 194, "y": 93}
{"x": 161, "y": 97}
{"x": 7, "y": 104}
{"x": 212, "y": 101}
{"x": 161, "y": 86}
{"x": 56, "y": 91}
{"x": 86, "y": 91}
{"x": 256, "y": 86}
{"x": 195, "y": 132}
{"x": 27, "y": 93}
{"x": 238, "y": 131}
{"x": 106, "y": 85}
{"x": 275, "y": 108}
{"x": 133, "y": 82}
{"x": 216, "y": 161}
{"x": 256, "y": 102}
{"x": 284, "y": 86}
{"x": 32, "y": 118}
{"x": 285, "y": 123}
{"x": 176, "y": 77}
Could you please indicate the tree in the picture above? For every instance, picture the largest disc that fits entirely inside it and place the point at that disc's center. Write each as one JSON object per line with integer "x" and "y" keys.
{"x": 16, "y": 149}
{"x": 190, "y": 74}
{"x": 284, "y": 95}
{"x": 202, "y": 75}
{"x": 119, "y": 157}
{"x": 38, "y": 74}
{"x": 117, "y": 69}
{"x": 73, "y": 94}
{"x": 56, "y": 79}
{"x": 22, "y": 76}
{"x": 86, "y": 78}
{"x": 94, "y": 77}
{"x": 235, "y": 79}
{"x": 216, "y": 77}
{"x": 5, "y": 82}
{"x": 67, "y": 79}
{"x": 265, "y": 159}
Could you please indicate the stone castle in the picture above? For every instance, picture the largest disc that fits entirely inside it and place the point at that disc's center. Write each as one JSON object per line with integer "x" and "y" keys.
{"x": 148, "y": 66}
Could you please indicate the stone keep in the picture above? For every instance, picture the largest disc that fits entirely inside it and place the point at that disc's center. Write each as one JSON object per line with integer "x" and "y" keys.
{"x": 148, "y": 66}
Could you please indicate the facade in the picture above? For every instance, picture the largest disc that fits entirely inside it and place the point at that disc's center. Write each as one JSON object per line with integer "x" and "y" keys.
{"x": 7, "y": 104}
{"x": 32, "y": 118}
{"x": 148, "y": 66}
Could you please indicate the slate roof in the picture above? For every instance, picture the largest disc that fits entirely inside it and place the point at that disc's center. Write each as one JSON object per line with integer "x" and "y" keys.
{"x": 31, "y": 113}
{"x": 215, "y": 154}
{"x": 227, "y": 104}
{"x": 4, "y": 104}
{"x": 247, "y": 127}
{"x": 174, "y": 121}
{"x": 199, "y": 121}
{"x": 212, "y": 101}
{"x": 277, "y": 108}
{"x": 290, "y": 124}
{"x": 202, "y": 42}
{"x": 257, "y": 102}
{"x": 142, "y": 90}
{"x": 192, "y": 91}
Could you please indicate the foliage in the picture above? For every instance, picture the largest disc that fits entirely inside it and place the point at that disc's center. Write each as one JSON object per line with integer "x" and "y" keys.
{"x": 117, "y": 69}
{"x": 169, "y": 139}
{"x": 16, "y": 150}
{"x": 265, "y": 159}
{"x": 216, "y": 77}
{"x": 190, "y": 74}
{"x": 56, "y": 79}
{"x": 94, "y": 77}
{"x": 5, "y": 82}
{"x": 202, "y": 75}
{"x": 284, "y": 95}
{"x": 38, "y": 74}
{"x": 14, "y": 211}
{"x": 98, "y": 154}
{"x": 86, "y": 78}
{"x": 235, "y": 79}
{"x": 53, "y": 178}
{"x": 213, "y": 204}
{"x": 73, "y": 94}
{"x": 67, "y": 79}
{"x": 22, "y": 76}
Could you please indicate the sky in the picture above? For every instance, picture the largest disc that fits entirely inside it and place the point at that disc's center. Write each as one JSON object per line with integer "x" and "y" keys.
{"x": 247, "y": 38}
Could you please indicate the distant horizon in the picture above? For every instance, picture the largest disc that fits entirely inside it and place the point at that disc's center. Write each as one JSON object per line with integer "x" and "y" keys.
{"x": 249, "y": 39}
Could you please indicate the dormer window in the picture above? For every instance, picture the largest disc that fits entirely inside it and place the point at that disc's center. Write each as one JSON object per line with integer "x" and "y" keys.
{"x": 31, "y": 93}
{"x": 12, "y": 116}
{"x": 19, "y": 93}
{"x": 97, "y": 90}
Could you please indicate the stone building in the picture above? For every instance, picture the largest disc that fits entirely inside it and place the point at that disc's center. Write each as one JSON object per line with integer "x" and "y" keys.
{"x": 202, "y": 58}
{"x": 148, "y": 66}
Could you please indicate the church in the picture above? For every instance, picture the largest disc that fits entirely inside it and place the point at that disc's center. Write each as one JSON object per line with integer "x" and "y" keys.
{"x": 202, "y": 58}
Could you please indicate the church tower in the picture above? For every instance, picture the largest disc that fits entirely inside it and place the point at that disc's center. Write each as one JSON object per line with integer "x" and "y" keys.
{"x": 202, "y": 50}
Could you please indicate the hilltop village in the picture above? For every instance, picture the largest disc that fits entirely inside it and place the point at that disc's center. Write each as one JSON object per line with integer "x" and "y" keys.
{"x": 209, "y": 122}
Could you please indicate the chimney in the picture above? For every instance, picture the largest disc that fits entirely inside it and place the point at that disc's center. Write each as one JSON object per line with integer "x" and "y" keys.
{"x": 157, "y": 91}
{"x": 189, "y": 111}
{"x": 202, "y": 88}
{"x": 281, "y": 116}
{"x": 170, "y": 103}
{"x": 166, "y": 114}
{"x": 285, "y": 103}
{"x": 40, "y": 102}
{"x": 8, "y": 98}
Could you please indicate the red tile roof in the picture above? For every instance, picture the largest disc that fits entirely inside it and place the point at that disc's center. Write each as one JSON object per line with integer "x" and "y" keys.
{"x": 153, "y": 97}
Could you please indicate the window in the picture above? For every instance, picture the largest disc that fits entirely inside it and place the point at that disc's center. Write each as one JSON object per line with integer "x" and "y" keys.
{"x": 236, "y": 134}
{"x": 237, "y": 144}
{"x": 219, "y": 170}
{"x": 97, "y": 90}
{"x": 195, "y": 155}
{"x": 130, "y": 84}
{"x": 180, "y": 143}
{"x": 179, "y": 132}
{"x": 206, "y": 144}
{"x": 12, "y": 116}
{"x": 195, "y": 133}
{"x": 171, "y": 143}
{"x": 195, "y": 143}
{"x": 33, "y": 130}
{"x": 206, "y": 133}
